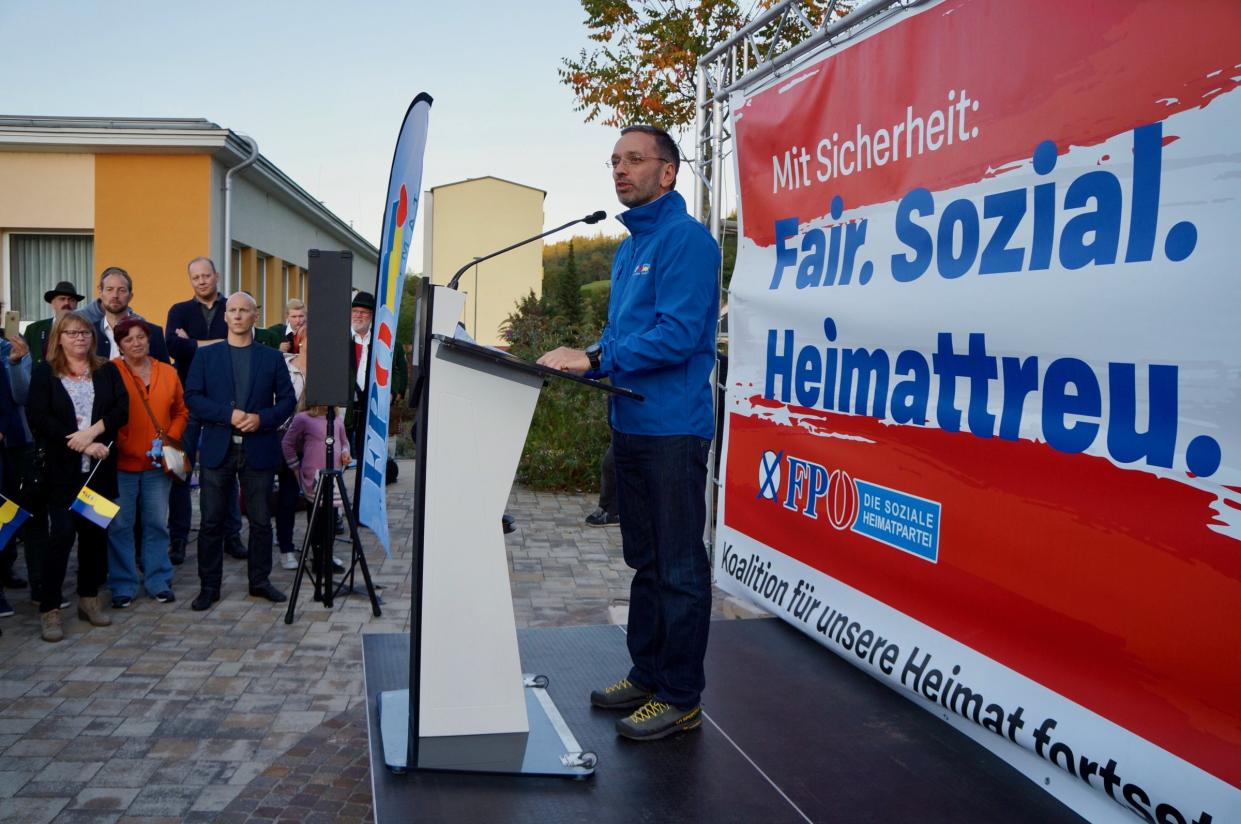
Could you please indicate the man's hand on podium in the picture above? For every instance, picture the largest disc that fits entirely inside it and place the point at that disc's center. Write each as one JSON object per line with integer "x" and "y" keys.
{"x": 566, "y": 359}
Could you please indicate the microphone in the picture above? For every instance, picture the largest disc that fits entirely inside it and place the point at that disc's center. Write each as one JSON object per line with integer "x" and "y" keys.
{"x": 593, "y": 217}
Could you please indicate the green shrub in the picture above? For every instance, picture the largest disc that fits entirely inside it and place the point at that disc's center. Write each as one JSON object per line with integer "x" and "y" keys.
{"x": 569, "y": 433}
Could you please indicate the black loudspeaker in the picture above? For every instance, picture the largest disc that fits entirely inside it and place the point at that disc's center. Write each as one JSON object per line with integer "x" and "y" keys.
{"x": 329, "y": 373}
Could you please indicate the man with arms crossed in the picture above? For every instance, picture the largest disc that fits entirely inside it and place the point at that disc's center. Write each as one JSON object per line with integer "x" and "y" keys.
{"x": 659, "y": 342}
{"x": 241, "y": 393}
{"x": 192, "y": 326}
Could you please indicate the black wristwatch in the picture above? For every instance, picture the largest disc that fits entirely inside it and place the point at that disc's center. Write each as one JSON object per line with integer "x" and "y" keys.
{"x": 592, "y": 354}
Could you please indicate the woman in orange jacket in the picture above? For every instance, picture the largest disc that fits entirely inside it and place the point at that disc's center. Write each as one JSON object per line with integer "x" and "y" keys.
{"x": 157, "y": 416}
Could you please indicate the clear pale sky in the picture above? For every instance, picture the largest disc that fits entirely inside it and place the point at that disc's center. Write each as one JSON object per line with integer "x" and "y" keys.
{"x": 322, "y": 86}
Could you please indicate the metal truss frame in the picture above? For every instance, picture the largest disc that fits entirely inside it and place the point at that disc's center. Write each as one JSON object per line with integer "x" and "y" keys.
{"x": 774, "y": 43}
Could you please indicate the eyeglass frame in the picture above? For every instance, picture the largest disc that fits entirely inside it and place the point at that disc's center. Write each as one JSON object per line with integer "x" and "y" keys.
{"x": 76, "y": 333}
{"x": 631, "y": 162}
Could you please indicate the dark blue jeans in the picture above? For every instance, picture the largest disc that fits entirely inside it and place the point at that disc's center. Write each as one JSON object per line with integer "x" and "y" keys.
{"x": 215, "y": 492}
{"x": 661, "y": 484}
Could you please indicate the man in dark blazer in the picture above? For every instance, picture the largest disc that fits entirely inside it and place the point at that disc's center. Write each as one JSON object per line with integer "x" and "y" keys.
{"x": 116, "y": 290}
{"x": 241, "y": 394}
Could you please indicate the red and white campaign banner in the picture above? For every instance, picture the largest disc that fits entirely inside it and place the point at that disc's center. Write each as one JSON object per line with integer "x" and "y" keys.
{"x": 983, "y": 421}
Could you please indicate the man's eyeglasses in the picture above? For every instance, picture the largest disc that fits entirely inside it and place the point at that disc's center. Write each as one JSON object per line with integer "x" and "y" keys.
{"x": 629, "y": 161}
{"x": 76, "y": 333}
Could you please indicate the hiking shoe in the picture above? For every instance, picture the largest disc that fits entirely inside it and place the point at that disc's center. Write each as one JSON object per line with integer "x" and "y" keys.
{"x": 90, "y": 609}
{"x": 52, "y": 630}
{"x": 6, "y": 609}
{"x": 622, "y": 695}
{"x": 601, "y": 518}
{"x": 121, "y": 601}
{"x": 655, "y": 719}
{"x": 288, "y": 560}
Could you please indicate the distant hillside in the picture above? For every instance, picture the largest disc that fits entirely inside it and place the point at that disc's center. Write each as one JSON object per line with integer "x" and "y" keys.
{"x": 592, "y": 254}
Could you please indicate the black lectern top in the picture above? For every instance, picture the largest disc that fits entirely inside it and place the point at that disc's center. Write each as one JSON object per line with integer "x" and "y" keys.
{"x": 490, "y": 355}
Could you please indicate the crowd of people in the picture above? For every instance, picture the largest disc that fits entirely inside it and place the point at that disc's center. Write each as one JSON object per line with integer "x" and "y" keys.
{"x": 97, "y": 396}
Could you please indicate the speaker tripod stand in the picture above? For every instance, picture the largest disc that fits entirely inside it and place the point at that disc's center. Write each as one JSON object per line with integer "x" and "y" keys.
{"x": 321, "y": 531}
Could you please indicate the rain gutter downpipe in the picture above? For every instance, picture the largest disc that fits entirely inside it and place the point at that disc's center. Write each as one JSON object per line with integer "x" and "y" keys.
{"x": 229, "y": 286}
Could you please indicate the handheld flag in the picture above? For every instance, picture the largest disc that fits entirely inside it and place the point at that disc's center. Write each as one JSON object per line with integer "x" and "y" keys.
{"x": 94, "y": 507}
{"x": 12, "y": 517}
{"x": 400, "y": 208}
{"x": 91, "y": 505}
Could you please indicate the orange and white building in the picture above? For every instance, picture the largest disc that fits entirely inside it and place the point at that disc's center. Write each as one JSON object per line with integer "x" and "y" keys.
{"x": 81, "y": 194}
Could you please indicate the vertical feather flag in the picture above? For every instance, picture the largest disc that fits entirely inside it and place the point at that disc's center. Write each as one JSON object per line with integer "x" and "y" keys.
{"x": 400, "y": 209}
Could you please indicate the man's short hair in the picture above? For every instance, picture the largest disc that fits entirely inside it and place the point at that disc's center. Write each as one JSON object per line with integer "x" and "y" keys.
{"x": 666, "y": 145}
{"x": 293, "y": 305}
{"x": 203, "y": 259}
{"x": 116, "y": 270}
{"x": 247, "y": 295}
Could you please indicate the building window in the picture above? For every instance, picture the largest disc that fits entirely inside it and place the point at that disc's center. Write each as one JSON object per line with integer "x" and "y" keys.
{"x": 260, "y": 290}
{"x": 284, "y": 285}
{"x": 301, "y": 278}
{"x": 234, "y": 270}
{"x": 37, "y": 262}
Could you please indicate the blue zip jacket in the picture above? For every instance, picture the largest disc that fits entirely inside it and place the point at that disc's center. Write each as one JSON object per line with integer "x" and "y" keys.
{"x": 662, "y": 315}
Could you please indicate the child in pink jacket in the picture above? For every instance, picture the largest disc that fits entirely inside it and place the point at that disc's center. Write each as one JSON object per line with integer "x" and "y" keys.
{"x": 305, "y": 452}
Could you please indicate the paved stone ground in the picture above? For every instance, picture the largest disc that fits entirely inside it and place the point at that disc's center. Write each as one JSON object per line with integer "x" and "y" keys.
{"x": 233, "y": 716}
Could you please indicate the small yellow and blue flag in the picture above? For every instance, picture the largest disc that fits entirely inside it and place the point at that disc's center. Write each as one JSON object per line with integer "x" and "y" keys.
{"x": 12, "y": 517}
{"x": 94, "y": 507}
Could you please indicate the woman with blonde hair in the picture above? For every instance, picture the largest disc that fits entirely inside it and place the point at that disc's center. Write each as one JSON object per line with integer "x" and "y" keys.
{"x": 76, "y": 406}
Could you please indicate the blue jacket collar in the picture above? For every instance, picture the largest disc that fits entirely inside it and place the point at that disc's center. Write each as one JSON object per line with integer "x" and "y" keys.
{"x": 645, "y": 218}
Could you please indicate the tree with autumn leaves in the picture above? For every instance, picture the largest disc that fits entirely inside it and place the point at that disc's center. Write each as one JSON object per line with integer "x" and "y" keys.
{"x": 644, "y": 68}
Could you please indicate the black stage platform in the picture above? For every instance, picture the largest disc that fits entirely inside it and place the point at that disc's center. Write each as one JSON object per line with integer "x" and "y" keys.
{"x": 793, "y": 734}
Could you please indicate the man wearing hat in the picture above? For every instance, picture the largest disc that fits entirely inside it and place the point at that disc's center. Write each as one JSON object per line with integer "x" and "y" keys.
{"x": 63, "y": 299}
{"x": 361, "y": 314}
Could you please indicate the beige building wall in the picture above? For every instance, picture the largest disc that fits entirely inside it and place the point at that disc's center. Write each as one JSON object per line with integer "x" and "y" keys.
{"x": 474, "y": 218}
{"x": 47, "y": 190}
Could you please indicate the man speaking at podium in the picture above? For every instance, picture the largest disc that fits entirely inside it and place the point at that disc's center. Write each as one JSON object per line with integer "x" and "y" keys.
{"x": 660, "y": 342}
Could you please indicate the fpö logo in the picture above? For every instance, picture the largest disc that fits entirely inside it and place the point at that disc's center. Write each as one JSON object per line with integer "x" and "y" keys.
{"x": 889, "y": 516}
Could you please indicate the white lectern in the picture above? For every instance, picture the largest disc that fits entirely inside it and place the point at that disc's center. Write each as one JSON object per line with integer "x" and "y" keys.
{"x": 469, "y": 707}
